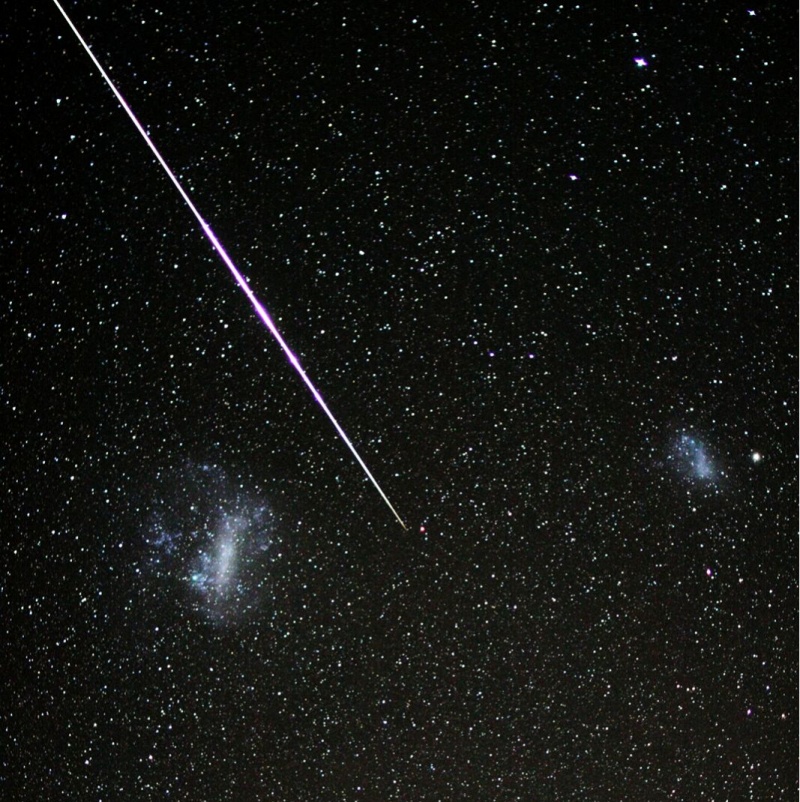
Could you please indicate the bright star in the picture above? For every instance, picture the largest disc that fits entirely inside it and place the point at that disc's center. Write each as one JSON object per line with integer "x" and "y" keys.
{"x": 640, "y": 62}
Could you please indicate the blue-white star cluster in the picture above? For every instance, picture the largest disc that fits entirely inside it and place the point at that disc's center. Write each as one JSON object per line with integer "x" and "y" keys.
{"x": 540, "y": 260}
{"x": 216, "y": 539}
{"x": 692, "y": 458}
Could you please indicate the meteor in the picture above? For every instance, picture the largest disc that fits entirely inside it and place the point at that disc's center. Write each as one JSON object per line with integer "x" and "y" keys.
{"x": 237, "y": 275}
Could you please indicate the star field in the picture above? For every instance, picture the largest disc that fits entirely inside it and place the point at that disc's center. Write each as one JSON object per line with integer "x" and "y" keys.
{"x": 541, "y": 261}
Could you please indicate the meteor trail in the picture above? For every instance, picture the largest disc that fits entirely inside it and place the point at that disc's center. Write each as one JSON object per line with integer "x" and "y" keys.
{"x": 223, "y": 254}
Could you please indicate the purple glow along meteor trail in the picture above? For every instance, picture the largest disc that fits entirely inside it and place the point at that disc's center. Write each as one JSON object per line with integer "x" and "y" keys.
{"x": 240, "y": 279}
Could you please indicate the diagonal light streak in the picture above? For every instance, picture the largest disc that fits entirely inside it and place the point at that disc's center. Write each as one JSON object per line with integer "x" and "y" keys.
{"x": 223, "y": 254}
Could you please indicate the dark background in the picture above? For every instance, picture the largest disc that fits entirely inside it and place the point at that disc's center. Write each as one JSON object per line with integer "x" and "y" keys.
{"x": 574, "y": 612}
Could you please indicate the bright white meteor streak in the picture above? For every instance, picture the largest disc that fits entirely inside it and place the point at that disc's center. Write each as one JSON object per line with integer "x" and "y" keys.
{"x": 240, "y": 279}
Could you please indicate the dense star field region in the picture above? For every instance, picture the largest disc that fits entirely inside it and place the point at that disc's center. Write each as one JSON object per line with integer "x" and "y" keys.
{"x": 541, "y": 261}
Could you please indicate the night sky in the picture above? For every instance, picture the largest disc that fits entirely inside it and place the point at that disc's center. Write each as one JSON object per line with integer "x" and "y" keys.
{"x": 541, "y": 261}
